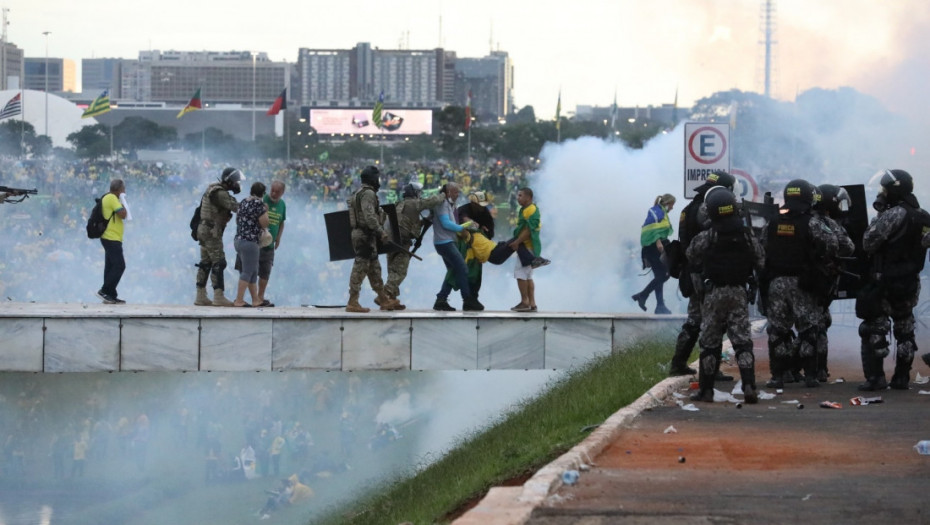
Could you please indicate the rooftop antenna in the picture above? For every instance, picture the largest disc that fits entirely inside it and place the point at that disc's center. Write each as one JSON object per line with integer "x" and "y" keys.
{"x": 3, "y": 41}
{"x": 767, "y": 26}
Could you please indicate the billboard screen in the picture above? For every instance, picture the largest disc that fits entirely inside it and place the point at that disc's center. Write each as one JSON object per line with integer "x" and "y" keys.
{"x": 358, "y": 121}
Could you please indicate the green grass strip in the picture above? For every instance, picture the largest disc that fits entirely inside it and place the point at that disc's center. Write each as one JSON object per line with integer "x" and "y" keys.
{"x": 533, "y": 434}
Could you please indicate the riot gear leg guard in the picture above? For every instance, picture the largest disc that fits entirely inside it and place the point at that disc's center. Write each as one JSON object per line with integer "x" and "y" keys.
{"x": 683, "y": 347}
{"x": 904, "y": 357}
{"x": 709, "y": 359}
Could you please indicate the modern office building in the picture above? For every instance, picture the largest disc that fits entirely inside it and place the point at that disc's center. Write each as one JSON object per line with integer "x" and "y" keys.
{"x": 11, "y": 66}
{"x": 228, "y": 77}
{"x": 356, "y": 77}
{"x": 61, "y": 74}
{"x": 490, "y": 80}
{"x": 98, "y": 74}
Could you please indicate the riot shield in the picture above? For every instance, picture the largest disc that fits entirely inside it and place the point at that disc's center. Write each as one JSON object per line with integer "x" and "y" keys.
{"x": 339, "y": 233}
{"x": 855, "y": 222}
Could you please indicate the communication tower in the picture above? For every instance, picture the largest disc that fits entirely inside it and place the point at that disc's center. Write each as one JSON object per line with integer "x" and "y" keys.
{"x": 767, "y": 26}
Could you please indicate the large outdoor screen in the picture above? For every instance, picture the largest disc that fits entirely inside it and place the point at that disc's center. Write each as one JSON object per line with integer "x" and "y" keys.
{"x": 359, "y": 121}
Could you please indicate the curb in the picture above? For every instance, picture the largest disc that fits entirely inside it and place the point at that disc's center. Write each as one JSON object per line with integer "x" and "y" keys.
{"x": 514, "y": 505}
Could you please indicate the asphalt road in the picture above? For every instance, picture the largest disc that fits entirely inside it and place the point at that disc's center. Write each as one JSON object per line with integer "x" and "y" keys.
{"x": 784, "y": 460}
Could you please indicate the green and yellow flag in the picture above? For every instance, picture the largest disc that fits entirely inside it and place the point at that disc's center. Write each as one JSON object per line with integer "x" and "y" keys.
{"x": 99, "y": 106}
{"x": 558, "y": 111}
{"x": 376, "y": 113}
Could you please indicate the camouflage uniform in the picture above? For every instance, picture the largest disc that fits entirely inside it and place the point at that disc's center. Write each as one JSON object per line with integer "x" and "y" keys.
{"x": 726, "y": 305}
{"x": 692, "y": 221}
{"x": 366, "y": 219}
{"x": 845, "y": 248}
{"x": 408, "y": 222}
{"x": 897, "y": 256}
{"x": 216, "y": 208}
{"x": 791, "y": 305}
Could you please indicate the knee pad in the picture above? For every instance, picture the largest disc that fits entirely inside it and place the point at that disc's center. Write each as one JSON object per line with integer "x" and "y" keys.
{"x": 693, "y": 330}
{"x": 906, "y": 348}
{"x": 874, "y": 327}
{"x": 781, "y": 343}
{"x": 219, "y": 266}
{"x": 807, "y": 342}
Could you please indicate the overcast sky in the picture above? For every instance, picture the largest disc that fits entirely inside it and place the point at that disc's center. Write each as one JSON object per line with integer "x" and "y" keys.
{"x": 642, "y": 50}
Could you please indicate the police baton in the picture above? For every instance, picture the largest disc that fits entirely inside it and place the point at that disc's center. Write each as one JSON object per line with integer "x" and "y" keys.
{"x": 403, "y": 249}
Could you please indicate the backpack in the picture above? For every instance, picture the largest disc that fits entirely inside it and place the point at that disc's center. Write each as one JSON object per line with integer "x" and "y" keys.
{"x": 195, "y": 223}
{"x": 96, "y": 223}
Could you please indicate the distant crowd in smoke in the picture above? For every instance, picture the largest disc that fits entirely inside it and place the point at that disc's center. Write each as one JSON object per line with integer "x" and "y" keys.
{"x": 45, "y": 234}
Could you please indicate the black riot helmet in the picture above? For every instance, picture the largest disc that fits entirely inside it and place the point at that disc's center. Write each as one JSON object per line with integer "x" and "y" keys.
{"x": 897, "y": 184}
{"x": 799, "y": 195}
{"x": 231, "y": 178}
{"x": 834, "y": 200}
{"x": 412, "y": 190}
{"x": 372, "y": 177}
{"x": 722, "y": 209}
{"x": 717, "y": 179}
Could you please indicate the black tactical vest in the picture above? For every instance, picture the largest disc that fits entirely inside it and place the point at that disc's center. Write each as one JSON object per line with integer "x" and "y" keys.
{"x": 788, "y": 246}
{"x": 729, "y": 258}
{"x": 688, "y": 226}
{"x": 903, "y": 254}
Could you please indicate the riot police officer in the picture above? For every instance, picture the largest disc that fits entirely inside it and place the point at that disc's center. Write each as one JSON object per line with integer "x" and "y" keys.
{"x": 216, "y": 208}
{"x": 366, "y": 218}
{"x": 409, "y": 224}
{"x": 692, "y": 221}
{"x": 894, "y": 242}
{"x": 794, "y": 243}
{"x": 831, "y": 206}
{"x": 728, "y": 256}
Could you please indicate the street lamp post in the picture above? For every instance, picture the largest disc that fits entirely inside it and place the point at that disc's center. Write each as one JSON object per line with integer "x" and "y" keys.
{"x": 46, "y": 33}
{"x": 254, "y": 55}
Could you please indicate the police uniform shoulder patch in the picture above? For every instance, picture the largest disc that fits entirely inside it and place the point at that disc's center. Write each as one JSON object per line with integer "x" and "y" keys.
{"x": 785, "y": 230}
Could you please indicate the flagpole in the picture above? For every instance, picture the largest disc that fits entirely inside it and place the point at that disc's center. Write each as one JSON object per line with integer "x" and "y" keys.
{"x": 111, "y": 141}
{"x": 288, "y": 134}
{"x": 469, "y": 144}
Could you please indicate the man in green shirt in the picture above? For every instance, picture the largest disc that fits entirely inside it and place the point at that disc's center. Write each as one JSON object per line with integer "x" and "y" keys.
{"x": 277, "y": 214}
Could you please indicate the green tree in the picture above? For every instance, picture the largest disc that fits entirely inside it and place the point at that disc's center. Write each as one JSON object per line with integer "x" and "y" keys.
{"x": 135, "y": 133}
{"x": 16, "y": 138}
{"x": 91, "y": 142}
{"x": 525, "y": 115}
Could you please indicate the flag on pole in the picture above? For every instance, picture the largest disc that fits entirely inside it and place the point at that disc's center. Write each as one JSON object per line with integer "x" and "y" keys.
{"x": 99, "y": 106}
{"x": 558, "y": 111}
{"x": 13, "y": 107}
{"x": 195, "y": 104}
{"x": 613, "y": 113}
{"x": 279, "y": 103}
{"x": 376, "y": 113}
{"x": 468, "y": 111}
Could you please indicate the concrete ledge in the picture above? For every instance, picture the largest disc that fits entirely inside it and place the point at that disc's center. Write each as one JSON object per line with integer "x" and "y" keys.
{"x": 93, "y": 337}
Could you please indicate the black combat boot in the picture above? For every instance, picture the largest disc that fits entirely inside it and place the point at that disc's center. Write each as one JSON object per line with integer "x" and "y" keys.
{"x": 874, "y": 374}
{"x": 442, "y": 305}
{"x": 708, "y": 363}
{"x": 902, "y": 374}
{"x": 683, "y": 347}
{"x": 471, "y": 304}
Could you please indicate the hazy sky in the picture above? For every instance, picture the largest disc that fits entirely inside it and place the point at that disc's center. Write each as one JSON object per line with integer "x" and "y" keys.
{"x": 587, "y": 48}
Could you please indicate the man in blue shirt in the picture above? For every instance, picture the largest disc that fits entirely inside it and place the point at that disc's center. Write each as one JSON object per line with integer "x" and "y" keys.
{"x": 444, "y": 229}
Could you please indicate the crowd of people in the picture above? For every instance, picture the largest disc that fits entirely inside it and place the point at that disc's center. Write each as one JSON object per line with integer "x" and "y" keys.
{"x": 209, "y": 429}
{"x": 46, "y": 234}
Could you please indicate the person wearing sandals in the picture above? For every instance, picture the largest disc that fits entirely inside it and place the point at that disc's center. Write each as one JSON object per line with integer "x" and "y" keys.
{"x": 250, "y": 221}
{"x": 527, "y": 234}
{"x": 277, "y": 214}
